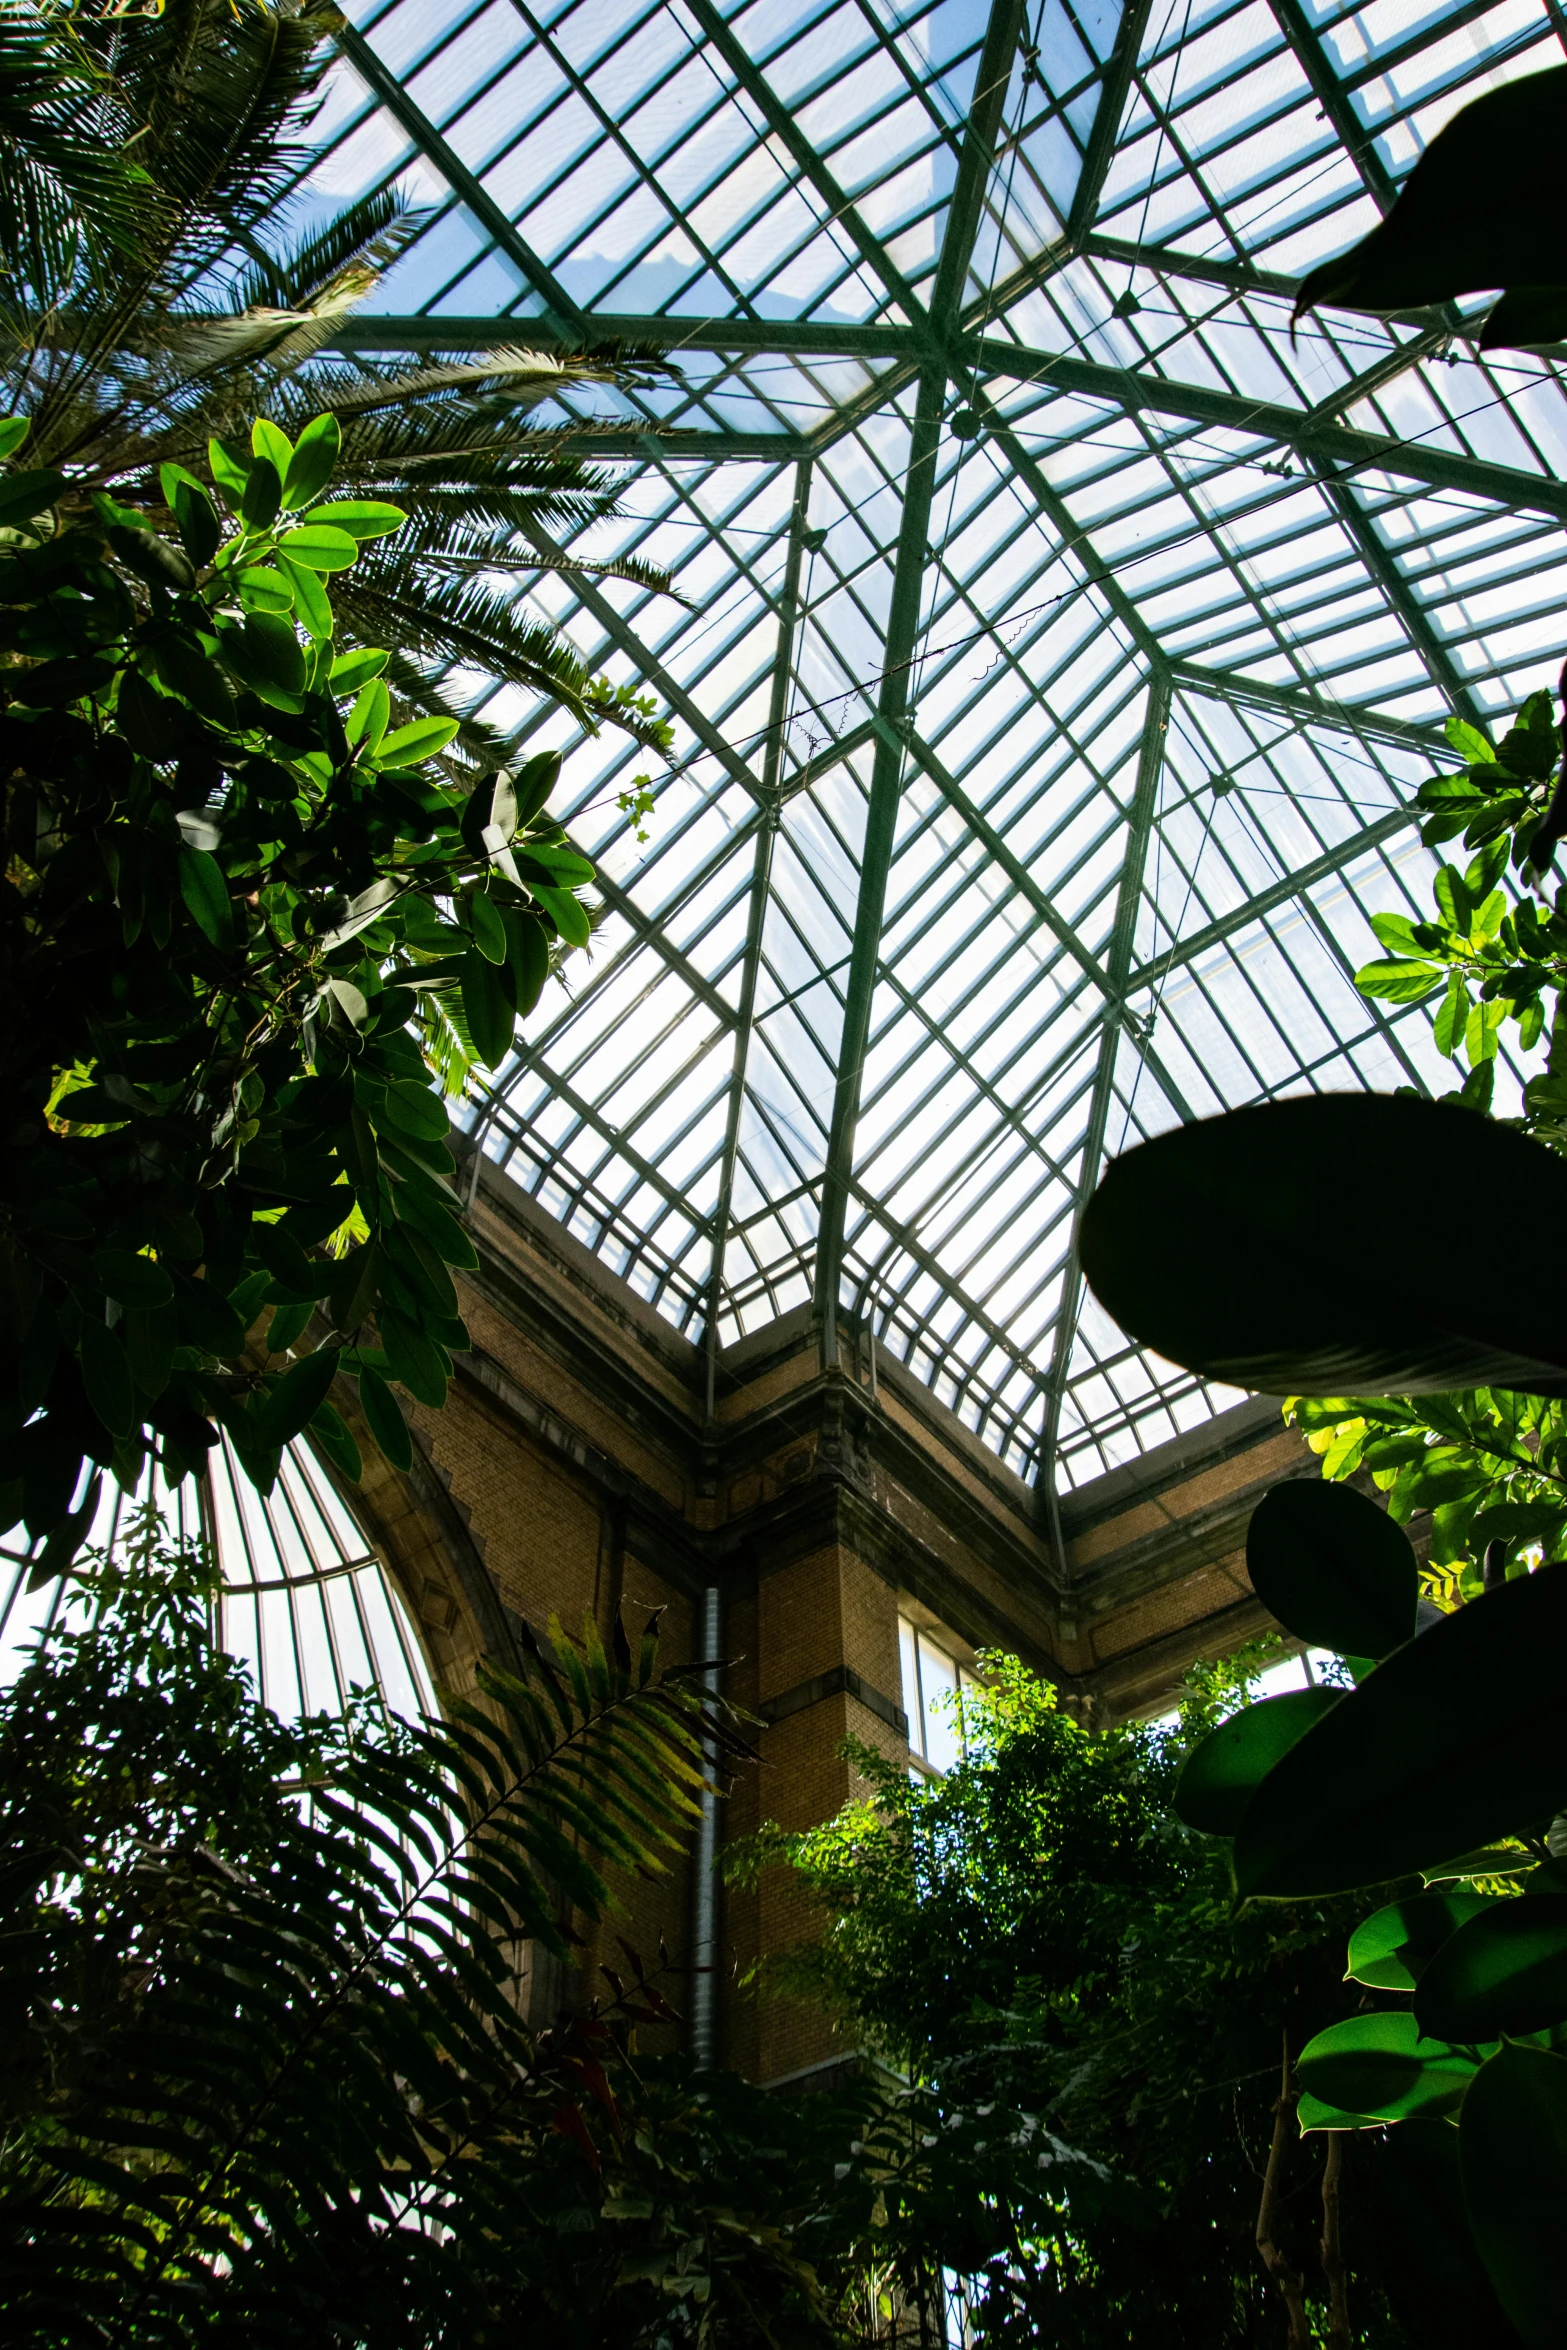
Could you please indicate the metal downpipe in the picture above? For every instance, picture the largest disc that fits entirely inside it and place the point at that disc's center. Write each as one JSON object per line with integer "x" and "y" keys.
{"x": 702, "y": 2034}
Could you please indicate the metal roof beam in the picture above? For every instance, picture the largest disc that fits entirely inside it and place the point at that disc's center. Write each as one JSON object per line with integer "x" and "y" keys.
{"x": 781, "y": 122}
{"x": 652, "y": 668}
{"x": 1139, "y": 831}
{"x": 1439, "y": 663}
{"x": 876, "y": 855}
{"x": 1114, "y": 90}
{"x": 986, "y": 113}
{"x": 1335, "y": 102}
{"x": 881, "y": 819}
{"x": 1267, "y": 901}
{"x": 756, "y": 915}
{"x": 1224, "y": 685}
{"x": 388, "y": 88}
{"x": 1311, "y": 431}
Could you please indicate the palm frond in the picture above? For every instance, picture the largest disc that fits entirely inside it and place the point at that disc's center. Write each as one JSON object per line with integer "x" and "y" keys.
{"x": 360, "y": 244}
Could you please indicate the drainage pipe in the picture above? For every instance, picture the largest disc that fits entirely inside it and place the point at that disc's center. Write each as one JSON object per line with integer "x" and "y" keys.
{"x": 703, "y": 2033}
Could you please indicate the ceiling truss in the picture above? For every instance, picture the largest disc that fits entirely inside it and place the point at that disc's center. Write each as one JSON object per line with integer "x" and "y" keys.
{"x": 922, "y": 350}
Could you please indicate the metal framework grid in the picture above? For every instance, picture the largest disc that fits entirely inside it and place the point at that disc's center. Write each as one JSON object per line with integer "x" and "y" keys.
{"x": 1061, "y": 638}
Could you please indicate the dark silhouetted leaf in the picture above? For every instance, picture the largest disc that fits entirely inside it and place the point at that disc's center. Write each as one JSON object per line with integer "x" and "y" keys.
{"x": 1391, "y": 1949}
{"x": 1333, "y": 1567}
{"x": 1513, "y": 2151}
{"x": 1503, "y": 1971}
{"x": 1216, "y": 1244}
{"x": 1480, "y": 209}
{"x": 386, "y": 1422}
{"x": 1218, "y": 1777}
{"x": 1380, "y": 2066}
{"x": 1455, "y": 1739}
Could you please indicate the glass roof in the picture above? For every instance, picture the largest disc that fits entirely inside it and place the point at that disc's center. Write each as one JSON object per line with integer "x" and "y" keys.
{"x": 302, "y": 1599}
{"x": 1058, "y": 637}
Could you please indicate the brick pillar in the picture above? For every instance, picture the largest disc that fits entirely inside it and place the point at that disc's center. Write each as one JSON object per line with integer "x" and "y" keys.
{"x": 822, "y": 1635}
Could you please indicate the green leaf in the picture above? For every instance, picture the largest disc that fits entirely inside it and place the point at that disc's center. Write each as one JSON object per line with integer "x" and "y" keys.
{"x": 366, "y": 722}
{"x": 1217, "y": 1779}
{"x": 302, "y": 1276}
{"x": 533, "y": 783}
{"x": 319, "y": 548}
{"x": 265, "y": 654}
{"x": 269, "y": 440}
{"x": 280, "y": 1412}
{"x": 1333, "y": 1568}
{"x": 386, "y": 1422}
{"x": 13, "y": 432}
{"x": 568, "y": 914}
{"x": 332, "y": 1434}
{"x": 362, "y": 518}
{"x": 229, "y": 463}
{"x": 1399, "y": 981}
{"x": 1504, "y": 1971}
{"x": 414, "y": 1108}
{"x": 353, "y": 670}
{"x": 354, "y": 1288}
{"x": 1391, "y": 1949}
{"x": 22, "y": 495}
{"x": 152, "y": 558}
{"x": 1312, "y": 2114}
{"x": 197, "y": 520}
{"x": 1468, "y": 741}
{"x": 1380, "y": 2066}
{"x": 264, "y": 589}
{"x": 206, "y": 1318}
{"x": 1214, "y": 1244}
{"x": 1512, "y": 2146}
{"x": 1482, "y": 875}
{"x": 310, "y": 598}
{"x": 135, "y": 1282}
{"x": 486, "y": 1008}
{"x": 412, "y": 1358}
{"x": 1453, "y": 898}
{"x": 206, "y": 894}
{"x": 263, "y": 496}
{"x": 311, "y": 466}
{"x": 528, "y": 950}
{"x": 107, "y": 1376}
{"x": 411, "y": 745}
{"x": 489, "y": 931}
{"x": 1448, "y": 1027}
{"x": 1422, "y": 1760}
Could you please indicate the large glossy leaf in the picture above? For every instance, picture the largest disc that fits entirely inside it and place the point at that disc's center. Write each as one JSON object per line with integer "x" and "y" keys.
{"x": 1481, "y": 208}
{"x": 1380, "y": 2066}
{"x": 1218, "y": 1777}
{"x": 1333, "y": 1567}
{"x": 1230, "y": 1247}
{"x": 1504, "y": 1971}
{"x": 1414, "y": 2213}
{"x": 1513, "y": 2151}
{"x": 1391, "y": 1949}
{"x": 1455, "y": 1739}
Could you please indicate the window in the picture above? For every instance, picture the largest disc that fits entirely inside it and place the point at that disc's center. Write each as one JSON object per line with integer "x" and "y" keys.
{"x": 304, "y": 1600}
{"x": 930, "y": 1674}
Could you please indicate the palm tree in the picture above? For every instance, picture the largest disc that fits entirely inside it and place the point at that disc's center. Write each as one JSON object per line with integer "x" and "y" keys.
{"x": 184, "y": 309}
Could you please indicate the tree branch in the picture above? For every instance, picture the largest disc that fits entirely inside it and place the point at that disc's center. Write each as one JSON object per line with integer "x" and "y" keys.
{"x": 1333, "y": 2268}
{"x": 1288, "y": 2280}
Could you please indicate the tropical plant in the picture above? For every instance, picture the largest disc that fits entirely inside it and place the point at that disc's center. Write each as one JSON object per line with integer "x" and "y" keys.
{"x": 1223, "y": 1245}
{"x": 266, "y": 2069}
{"x": 235, "y": 891}
{"x": 68, "y": 200}
{"x": 129, "y": 353}
{"x": 1090, "y": 2037}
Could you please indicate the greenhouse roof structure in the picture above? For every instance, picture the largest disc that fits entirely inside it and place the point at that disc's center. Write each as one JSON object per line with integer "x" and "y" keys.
{"x": 1058, "y": 635}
